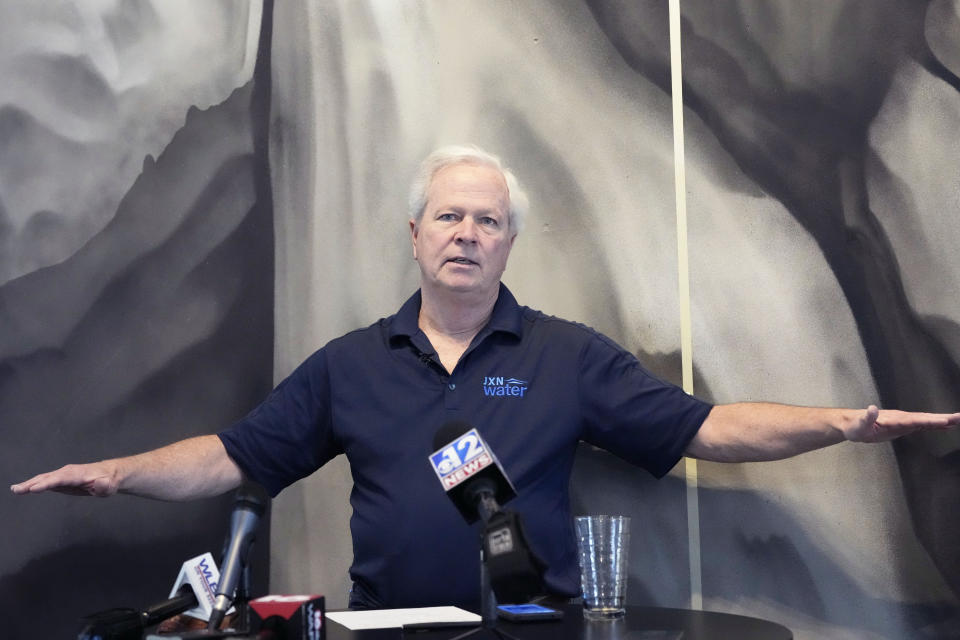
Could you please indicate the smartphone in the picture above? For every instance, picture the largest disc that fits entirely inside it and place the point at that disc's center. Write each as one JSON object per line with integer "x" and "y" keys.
{"x": 527, "y": 612}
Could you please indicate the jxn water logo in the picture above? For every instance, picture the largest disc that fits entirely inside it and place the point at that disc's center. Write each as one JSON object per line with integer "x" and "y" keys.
{"x": 497, "y": 386}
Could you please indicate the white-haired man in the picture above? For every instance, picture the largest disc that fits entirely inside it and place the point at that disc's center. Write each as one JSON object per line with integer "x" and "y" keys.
{"x": 462, "y": 348}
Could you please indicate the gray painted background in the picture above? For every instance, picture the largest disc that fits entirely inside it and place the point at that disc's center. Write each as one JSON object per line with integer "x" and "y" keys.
{"x": 136, "y": 284}
{"x": 822, "y": 175}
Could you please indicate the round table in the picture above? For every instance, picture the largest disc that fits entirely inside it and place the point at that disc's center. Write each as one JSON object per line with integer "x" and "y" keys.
{"x": 640, "y": 623}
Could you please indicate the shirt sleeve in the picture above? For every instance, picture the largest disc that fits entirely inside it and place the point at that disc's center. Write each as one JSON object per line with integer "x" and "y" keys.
{"x": 630, "y": 412}
{"x": 289, "y": 435}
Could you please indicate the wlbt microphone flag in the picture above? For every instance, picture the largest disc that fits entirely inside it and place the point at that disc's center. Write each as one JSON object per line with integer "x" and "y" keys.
{"x": 203, "y": 577}
{"x": 465, "y": 466}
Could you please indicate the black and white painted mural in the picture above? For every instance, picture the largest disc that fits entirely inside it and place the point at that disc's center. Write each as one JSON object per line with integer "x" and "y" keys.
{"x": 823, "y": 143}
{"x": 146, "y": 300}
{"x": 136, "y": 282}
{"x": 822, "y": 192}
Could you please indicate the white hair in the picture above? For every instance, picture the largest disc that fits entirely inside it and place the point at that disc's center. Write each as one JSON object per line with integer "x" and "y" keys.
{"x": 466, "y": 154}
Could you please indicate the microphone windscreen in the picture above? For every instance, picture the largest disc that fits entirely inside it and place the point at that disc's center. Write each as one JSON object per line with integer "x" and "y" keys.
{"x": 252, "y": 496}
{"x": 467, "y": 468}
{"x": 449, "y": 432}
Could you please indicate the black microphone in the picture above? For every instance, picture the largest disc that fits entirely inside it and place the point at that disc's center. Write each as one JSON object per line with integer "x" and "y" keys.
{"x": 184, "y": 599}
{"x": 478, "y": 486}
{"x": 516, "y": 573}
{"x": 471, "y": 474}
{"x": 123, "y": 623}
{"x": 250, "y": 504}
{"x": 113, "y": 624}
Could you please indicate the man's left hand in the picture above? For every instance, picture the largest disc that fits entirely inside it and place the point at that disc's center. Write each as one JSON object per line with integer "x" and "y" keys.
{"x": 877, "y": 425}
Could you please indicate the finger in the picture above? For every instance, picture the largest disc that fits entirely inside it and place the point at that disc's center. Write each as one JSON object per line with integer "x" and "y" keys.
{"x": 869, "y": 424}
{"x": 68, "y": 476}
{"x": 934, "y": 421}
{"x": 39, "y": 485}
{"x": 916, "y": 421}
{"x": 19, "y": 488}
{"x": 35, "y": 484}
{"x": 28, "y": 486}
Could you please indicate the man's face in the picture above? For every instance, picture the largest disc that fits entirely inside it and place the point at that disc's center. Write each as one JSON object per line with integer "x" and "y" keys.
{"x": 463, "y": 239}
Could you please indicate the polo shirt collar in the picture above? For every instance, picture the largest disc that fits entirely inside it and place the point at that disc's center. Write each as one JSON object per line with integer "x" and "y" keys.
{"x": 507, "y": 316}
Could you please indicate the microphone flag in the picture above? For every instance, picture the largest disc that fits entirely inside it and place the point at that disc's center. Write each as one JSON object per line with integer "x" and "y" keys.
{"x": 461, "y": 458}
{"x": 202, "y": 575}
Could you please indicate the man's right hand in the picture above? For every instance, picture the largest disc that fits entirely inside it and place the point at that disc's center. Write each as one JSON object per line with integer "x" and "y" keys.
{"x": 97, "y": 479}
{"x": 186, "y": 470}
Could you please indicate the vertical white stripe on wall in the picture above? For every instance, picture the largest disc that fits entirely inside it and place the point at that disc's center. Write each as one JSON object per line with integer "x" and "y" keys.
{"x": 683, "y": 273}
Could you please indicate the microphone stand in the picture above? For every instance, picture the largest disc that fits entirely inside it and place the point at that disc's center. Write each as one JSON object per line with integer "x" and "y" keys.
{"x": 241, "y": 621}
{"x": 488, "y": 603}
{"x": 242, "y": 599}
{"x": 488, "y": 600}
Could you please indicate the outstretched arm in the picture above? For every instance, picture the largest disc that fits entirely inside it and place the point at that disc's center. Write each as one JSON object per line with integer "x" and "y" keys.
{"x": 193, "y": 468}
{"x": 755, "y": 431}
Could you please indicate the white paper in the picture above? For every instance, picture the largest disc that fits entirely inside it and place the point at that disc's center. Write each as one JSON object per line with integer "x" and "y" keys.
{"x": 391, "y": 618}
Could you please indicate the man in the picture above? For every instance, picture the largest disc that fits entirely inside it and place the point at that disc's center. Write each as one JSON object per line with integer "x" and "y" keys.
{"x": 462, "y": 348}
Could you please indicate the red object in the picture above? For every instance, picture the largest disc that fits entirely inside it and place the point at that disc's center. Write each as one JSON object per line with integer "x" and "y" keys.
{"x": 301, "y": 617}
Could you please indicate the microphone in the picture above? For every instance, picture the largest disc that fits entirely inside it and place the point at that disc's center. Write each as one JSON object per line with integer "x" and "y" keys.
{"x": 184, "y": 599}
{"x": 469, "y": 471}
{"x": 250, "y": 504}
{"x": 193, "y": 590}
{"x": 477, "y": 484}
{"x": 516, "y": 573}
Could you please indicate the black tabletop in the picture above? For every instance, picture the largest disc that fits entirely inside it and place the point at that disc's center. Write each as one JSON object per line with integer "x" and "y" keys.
{"x": 640, "y": 623}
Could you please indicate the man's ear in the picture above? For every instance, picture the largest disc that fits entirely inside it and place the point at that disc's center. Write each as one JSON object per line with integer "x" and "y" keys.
{"x": 413, "y": 237}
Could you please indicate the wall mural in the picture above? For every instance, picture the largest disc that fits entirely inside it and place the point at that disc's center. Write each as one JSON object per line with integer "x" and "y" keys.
{"x": 848, "y": 127}
{"x": 136, "y": 282}
{"x": 138, "y": 265}
{"x": 822, "y": 191}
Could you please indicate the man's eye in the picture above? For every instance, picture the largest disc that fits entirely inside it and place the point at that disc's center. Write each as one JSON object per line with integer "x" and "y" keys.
{"x": 488, "y": 221}
{"x": 446, "y": 217}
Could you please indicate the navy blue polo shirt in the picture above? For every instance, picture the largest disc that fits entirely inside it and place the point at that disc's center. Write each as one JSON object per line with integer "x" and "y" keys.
{"x": 533, "y": 386}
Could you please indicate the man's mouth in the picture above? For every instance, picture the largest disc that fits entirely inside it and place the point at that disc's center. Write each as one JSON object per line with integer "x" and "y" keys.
{"x": 465, "y": 261}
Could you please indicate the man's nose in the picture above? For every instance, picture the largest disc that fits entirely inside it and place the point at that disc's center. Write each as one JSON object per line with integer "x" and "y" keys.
{"x": 466, "y": 231}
